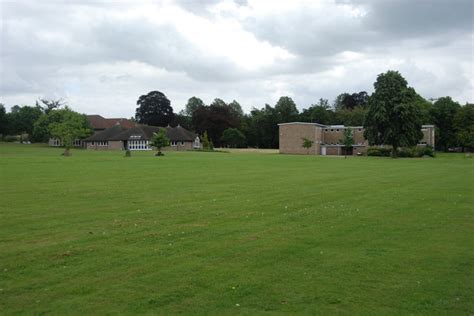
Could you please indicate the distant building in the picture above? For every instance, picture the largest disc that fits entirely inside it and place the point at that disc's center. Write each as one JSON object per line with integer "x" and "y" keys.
{"x": 139, "y": 137}
{"x": 98, "y": 124}
{"x": 327, "y": 139}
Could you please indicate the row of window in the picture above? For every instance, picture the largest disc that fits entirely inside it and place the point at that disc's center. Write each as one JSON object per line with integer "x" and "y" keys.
{"x": 100, "y": 143}
{"x": 337, "y": 130}
{"x": 175, "y": 143}
{"x": 359, "y": 144}
{"x": 138, "y": 145}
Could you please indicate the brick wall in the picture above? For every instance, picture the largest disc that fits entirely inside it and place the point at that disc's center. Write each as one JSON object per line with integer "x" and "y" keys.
{"x": 291, "y": 138}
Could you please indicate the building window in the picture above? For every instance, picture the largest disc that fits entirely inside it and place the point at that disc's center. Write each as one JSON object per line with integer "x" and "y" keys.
{"x": 197, "y": 143}
{"x": 182, "y": 143}
{"x": 138, "y": 145}
{"x": 360, "y": 129}
{"x": 173, "y": 143}
{"x": 337, "y": 130}
{"x": 332, "y": 130}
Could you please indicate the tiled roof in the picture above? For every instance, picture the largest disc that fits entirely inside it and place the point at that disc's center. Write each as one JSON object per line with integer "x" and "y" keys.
{"x": 111, "y": 133}
{"x": 144, "y": 132}
{"x": 98, "y": 122}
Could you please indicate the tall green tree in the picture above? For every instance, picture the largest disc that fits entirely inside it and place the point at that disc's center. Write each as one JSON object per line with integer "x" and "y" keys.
{"x": 22, "y": 118}
{"x": 3, "y": 120}
{"x": 464, "y": 126}
{"x": 234, "y": 138}
{"x": 347, "y": 140}
{"x": 286, "y": 110}
{"x": 307, "y": 143}
{"x": 160, "y": 140}
{"x": 154, "y": 109}
{"x": 191, "y": 106}
{"x": 49, "y": 105}
{"x": 72, "y": 126}
{"x": 393, "y": 118}
{"x": 41, "y": 131}
{"x": 236, "y": 108}
{"x": 443, "y": 112}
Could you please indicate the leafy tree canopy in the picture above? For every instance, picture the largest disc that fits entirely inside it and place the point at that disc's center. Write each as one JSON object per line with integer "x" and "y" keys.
{"x": 21, "y": 119}
{"x": 393, "y": 118}
{"x": 443, "y": 112}
{"x": 232, "y": 137}
{"x": 286, "y": 109}
{"x": 160, "y": 140}
{"x": 71, "y": 127}
{"x": 464, "y": 126}
{"x": 192, "y": 104}
{"x": 154, "y": 109}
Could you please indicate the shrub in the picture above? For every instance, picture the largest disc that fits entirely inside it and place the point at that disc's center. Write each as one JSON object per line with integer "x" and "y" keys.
{"x": 128, "y": 153}
{"x": 11, "y": 138}
{"x": 426, "y": 151}
{"x": 416, "y": 152}
{"x": 379, "y": 151}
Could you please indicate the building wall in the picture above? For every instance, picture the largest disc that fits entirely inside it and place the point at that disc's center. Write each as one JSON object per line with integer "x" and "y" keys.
{"x": 111, "y": 145}
{"x": 291, "y": 138}
{"x": 428, "y": 135}
{"x": 180, "y": 147}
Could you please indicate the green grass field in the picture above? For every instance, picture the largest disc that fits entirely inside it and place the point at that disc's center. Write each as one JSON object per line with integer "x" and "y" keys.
{"x": 220, "y": 233}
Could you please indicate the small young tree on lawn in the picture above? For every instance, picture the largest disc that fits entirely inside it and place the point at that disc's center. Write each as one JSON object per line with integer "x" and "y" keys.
{"x": 159, "y": 140}
{"x": 206, "y": 144}
{"x": 72, "y": 126}
{"x": 348, "y": 140}
{"x": 307, "y": 144}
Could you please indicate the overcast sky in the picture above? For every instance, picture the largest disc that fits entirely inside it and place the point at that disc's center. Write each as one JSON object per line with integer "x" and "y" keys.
{"x": 100, "y": 56}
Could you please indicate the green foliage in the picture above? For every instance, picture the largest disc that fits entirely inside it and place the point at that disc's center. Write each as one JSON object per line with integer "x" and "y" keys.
{"x": 206, "y": 144}
{"x": 286, "y": 110}
{"x": 464, "y": 126}
{"x": 416, "y": 152}
{"x": 406, "y": 152}
{"x": 443, "y": 112}
{"x": 11, "y": 138}
{"x": 21, "y": 119}
{"x": 154, "y": 109}
{"x": 307, "y": 143}
{"x": 234, "y": 138}
{"x": 128, "y": 153}
{"x": 72, "y": 126}
{"x": 160, "y": 140}
{"x": 215, "y": 119}
{"x": 3, "y": 120}
{"x": 191, "y": 106}
{"x": 393, "y": 117}
{"x": 348, "y": 139}
{"x": 41, "y": 132}
{"x": 379, "y": 151}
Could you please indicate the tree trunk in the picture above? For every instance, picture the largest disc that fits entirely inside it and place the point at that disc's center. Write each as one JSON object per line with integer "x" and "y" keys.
{"x": 67, "y": 152}
{"x": 394, "y": 152}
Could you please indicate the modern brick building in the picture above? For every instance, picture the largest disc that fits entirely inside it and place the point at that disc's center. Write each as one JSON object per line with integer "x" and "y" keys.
{"x": 327, "y": 139}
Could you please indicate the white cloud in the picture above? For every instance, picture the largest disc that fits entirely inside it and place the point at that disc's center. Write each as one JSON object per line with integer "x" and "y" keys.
{"x": 101, "y": 56}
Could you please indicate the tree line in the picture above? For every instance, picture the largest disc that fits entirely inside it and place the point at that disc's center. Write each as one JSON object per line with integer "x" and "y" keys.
{"x": 393, "y": 115}
{"x": 226, "y": 124}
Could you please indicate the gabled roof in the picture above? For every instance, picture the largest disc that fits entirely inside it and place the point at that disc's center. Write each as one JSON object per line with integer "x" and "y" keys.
{"x": 179, "y": 133}
{"x": 98, "y": 122}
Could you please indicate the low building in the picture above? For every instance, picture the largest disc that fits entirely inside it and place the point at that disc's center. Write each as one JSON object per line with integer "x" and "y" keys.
{"x": 327, "y": 139}
{"x": 139, "y": 137}
{"x": 98, "y": 124}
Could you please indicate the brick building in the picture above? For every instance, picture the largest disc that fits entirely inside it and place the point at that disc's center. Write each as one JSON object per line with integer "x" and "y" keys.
{"x": 327, "y": 139}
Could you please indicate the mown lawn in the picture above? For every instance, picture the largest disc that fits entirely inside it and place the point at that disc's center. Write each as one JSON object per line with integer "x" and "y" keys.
{"x": 221, "y": 233}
